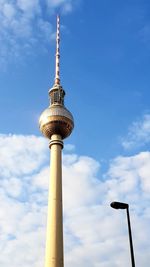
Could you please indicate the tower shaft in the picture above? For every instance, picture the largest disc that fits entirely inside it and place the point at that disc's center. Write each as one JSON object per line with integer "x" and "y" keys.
{"x": 54, "y": 242}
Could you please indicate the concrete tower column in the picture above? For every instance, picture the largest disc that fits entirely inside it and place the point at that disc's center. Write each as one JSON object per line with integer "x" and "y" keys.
{"x": 54, "y": 242}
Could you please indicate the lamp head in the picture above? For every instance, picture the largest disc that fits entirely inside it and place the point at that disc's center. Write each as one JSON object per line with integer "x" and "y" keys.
{"x": 119, "y": 205}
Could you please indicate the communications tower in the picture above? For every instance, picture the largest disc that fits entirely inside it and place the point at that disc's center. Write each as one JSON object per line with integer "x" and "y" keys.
{"x": 56, "y": 123}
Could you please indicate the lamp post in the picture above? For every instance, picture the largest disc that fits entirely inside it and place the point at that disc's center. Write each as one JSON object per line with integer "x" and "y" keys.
{"x": 120, "y": 205}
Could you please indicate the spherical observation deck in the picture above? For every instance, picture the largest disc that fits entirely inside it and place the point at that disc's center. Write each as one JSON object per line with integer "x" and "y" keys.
{"x": 56, "y": 119}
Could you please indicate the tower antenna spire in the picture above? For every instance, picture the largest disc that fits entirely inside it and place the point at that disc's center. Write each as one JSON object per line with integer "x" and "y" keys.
{"x": 57, "y": 71}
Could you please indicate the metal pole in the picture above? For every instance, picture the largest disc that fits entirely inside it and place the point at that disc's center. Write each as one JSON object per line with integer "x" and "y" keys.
{"x": 130, "y": 238}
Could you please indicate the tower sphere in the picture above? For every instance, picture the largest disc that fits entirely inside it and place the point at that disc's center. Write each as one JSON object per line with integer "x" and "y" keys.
{"x": 56, "y": 119}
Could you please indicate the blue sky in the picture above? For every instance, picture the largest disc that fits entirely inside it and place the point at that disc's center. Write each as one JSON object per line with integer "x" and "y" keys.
{"x": 105, "y": 61}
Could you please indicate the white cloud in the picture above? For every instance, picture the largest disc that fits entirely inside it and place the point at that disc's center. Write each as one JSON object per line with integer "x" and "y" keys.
{"x": 57, "y": 3}
{"x": 65, "y": 5}
{"x": 139, "y": 133}
{"x": 69, "y": 147}
{"x": 24, "y": 23}
{"x": 30, "y": 6}
{"x": 8, "y": 11}
{"x": 12, "y": 186}
{"x": 15, "y": 148}
{"x": 95, "y": 234}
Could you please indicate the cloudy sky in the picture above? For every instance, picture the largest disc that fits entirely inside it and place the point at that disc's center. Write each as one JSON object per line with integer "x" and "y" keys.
{"x": 105, "y": 62}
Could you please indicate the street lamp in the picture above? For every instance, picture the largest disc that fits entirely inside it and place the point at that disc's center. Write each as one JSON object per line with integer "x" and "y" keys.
{"x": 120, "y": 205}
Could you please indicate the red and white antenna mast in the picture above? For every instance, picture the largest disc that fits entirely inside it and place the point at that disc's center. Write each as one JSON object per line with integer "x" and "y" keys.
{"x": 57, "y": 73}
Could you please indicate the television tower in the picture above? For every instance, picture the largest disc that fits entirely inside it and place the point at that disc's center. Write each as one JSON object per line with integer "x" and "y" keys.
{"x": 56, "y": 123}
